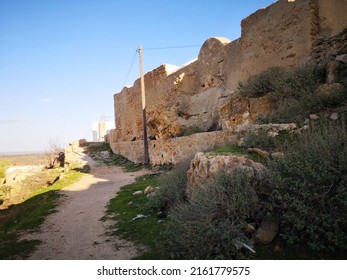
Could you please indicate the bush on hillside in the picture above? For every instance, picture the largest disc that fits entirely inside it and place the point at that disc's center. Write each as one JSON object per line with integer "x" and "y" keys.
{"x": 306, "y": 190}
{"x": 300, "y": 82}
{"x": 295, "y": 91}
{"x": 265, "y": 82}
{"x": 259, "y": 139}
{"x": 297, "y": 109}
{"x": 172, "y": 188}
{"x": 208, "y": 226}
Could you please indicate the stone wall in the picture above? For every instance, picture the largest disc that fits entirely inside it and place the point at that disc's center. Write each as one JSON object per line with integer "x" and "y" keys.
{"x": 280, "y": 35}
{"x": 332, "y": 17}
{"x": 283, "y": 34}
{"x": 201, "y": 96}
{"x": 173, "y": 150}
{"x": 128, "y": 107}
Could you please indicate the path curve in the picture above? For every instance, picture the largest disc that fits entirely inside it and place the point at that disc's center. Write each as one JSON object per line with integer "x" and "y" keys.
{"x": 75, "y": 230}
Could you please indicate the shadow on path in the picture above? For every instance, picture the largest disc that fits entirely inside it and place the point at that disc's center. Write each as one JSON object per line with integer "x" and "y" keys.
{"x": 76, "y": 230}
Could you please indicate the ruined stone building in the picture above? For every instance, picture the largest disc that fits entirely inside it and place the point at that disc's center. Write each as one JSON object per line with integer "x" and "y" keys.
{"x": 200, "y": 96}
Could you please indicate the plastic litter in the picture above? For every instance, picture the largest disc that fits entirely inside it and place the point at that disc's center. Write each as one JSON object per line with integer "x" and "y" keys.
{"x": 140, "y": 216}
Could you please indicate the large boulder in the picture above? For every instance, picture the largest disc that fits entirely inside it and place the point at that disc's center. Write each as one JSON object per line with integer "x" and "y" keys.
{"x": 206, "y": 166}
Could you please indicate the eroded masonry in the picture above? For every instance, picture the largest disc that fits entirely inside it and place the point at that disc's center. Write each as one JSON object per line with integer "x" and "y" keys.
{"x": 195, "y": 107}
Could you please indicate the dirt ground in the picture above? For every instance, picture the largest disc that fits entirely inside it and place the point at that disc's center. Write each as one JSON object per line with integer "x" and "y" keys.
{"x": 75, "y": 230}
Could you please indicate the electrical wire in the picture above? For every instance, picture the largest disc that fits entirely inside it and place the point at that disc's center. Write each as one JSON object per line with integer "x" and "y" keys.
{"x": 176, "y": 47}
{"x": 126, "y": 78}
{"x": 151, "y": 49}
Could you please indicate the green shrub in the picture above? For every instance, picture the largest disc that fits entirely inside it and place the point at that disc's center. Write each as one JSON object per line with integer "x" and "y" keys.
{"x": 263, "y": 83}
{"x": 291, "y": 110}
{"x": 295, "y": 91}
{"x": 172, "y": 186}
{"x": 208, "y": 226}
{"x": 297, "y": 109}
{"x": 342, "y": 111}
{"x": 259, "y": 139}
{"x": 295, "y": 83}
{"x": 306, "y": 190}
{"x": 331, "y": 100}
{"x": 297, "y": 96}
{"x": 300, "y": 82}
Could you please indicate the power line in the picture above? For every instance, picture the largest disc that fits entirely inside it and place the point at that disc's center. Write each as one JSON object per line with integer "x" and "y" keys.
{"x": 126, "y": 78}
{"x": 152, "y": 49}
{"x": 176, "y": 47}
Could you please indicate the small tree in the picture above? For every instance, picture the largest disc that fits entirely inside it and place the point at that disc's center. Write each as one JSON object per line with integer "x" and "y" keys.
{"x": 53, "y": 152}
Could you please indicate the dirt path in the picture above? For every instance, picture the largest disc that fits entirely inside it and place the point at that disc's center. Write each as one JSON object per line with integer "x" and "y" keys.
{"x": 75, "y": 230}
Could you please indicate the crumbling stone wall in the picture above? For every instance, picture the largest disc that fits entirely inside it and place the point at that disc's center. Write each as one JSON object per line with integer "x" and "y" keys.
{"x": 201, "y": 95}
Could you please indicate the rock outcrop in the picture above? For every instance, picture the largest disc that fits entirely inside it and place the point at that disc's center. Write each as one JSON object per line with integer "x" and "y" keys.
{"x": 206, "y": 166}
{"x": 242, "y": 111}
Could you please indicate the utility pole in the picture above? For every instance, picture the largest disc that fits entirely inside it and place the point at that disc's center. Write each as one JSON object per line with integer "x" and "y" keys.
{"x": 143, "y": 94}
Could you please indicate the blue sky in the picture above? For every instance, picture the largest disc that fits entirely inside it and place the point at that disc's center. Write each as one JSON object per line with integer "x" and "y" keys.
{"x": 61, "y": 61}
